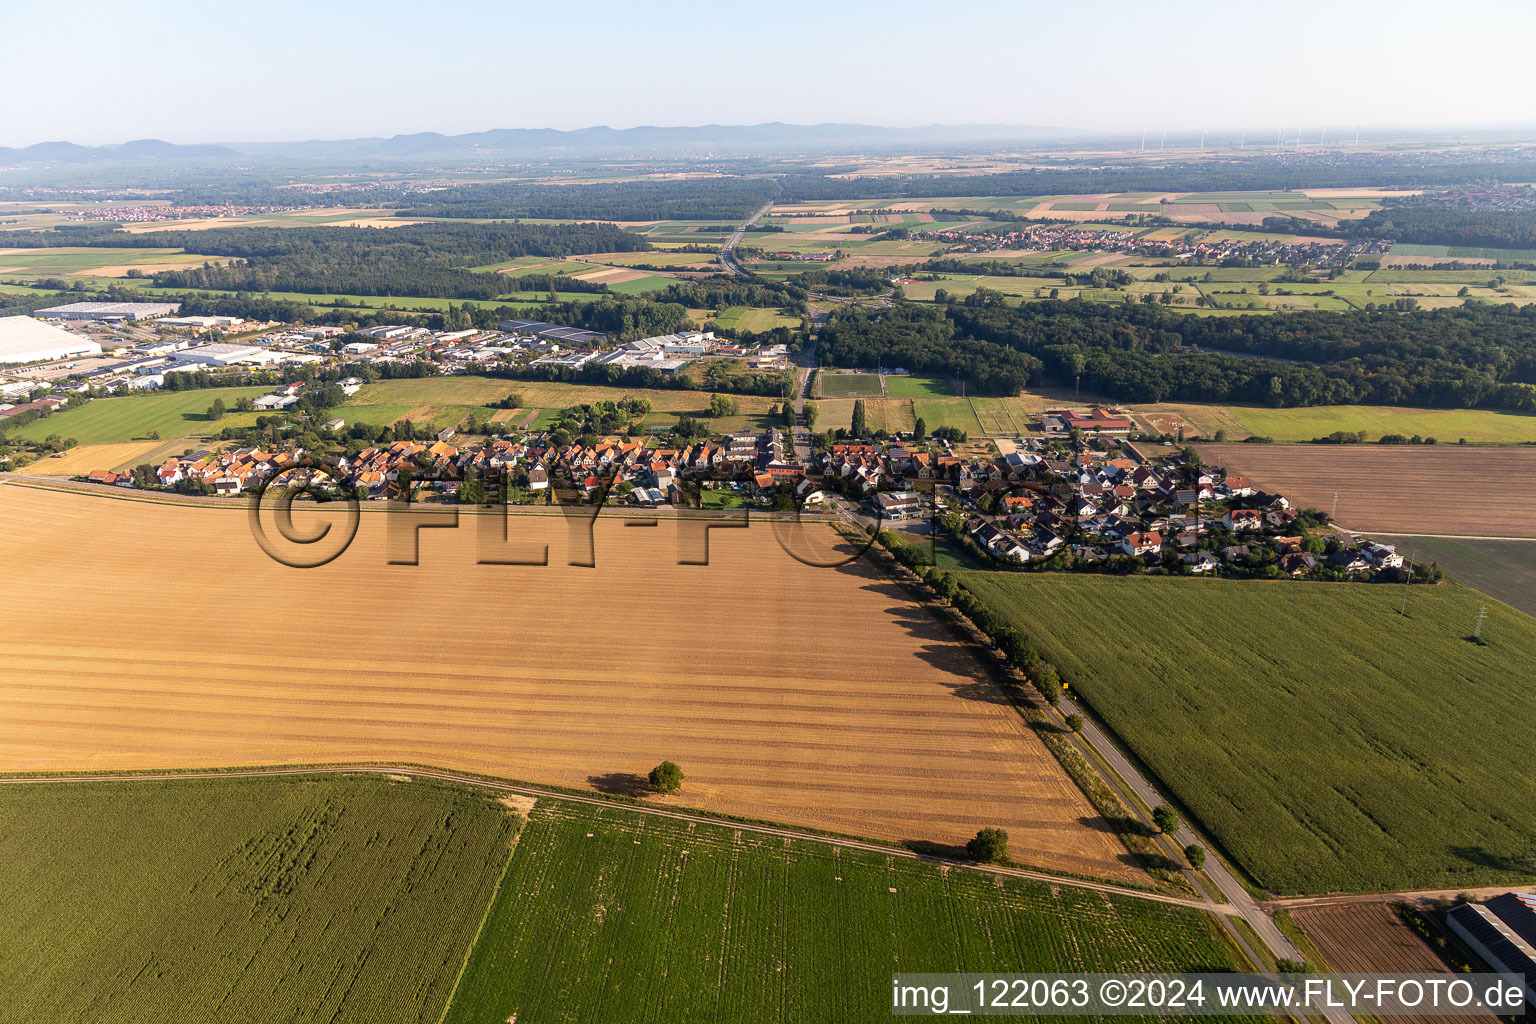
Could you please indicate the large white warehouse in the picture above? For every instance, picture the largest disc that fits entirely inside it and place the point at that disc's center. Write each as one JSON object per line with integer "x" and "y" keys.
{"x": 25, "y": 340}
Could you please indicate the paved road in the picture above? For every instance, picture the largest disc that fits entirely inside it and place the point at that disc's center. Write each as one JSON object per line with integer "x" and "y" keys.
{"x": 1279, "y": 946}
{"x": 542, "y": 793}
{"x": 728, "y": 250}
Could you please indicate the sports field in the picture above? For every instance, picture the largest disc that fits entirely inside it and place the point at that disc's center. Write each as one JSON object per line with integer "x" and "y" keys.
{"x": 849, "y": 385}
{"x": 834, "y": 702}
{"x": 172, "y": 414}
{"x": 607, "y": 915}
{"x": 444, "y": 401}
{"x": 260, "y": 900}
{"x": 948, "y": 412}
{"x": 888, "y": 414}
{"x": 1328, "y": 741}
{"x": 1439, "y": 489}
{"x": 918, "y": 387}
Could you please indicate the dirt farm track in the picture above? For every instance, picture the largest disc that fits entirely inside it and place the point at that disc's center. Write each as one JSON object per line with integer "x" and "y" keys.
{"x": 1439, "y": 489}
{"x": 160, "y": 636}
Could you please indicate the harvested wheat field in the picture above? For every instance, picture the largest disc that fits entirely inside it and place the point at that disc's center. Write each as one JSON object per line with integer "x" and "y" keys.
{"x": 84, "y": 458}
{"x": 1369, "y": 938}
{"x": 1439, "y": 489}
{"x": 162, "y": 637}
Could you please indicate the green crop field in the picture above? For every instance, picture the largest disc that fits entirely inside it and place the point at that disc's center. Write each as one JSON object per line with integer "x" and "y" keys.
{"x": 1505, "y": 569}
{"x": 919, "y": 387}
{"x": 259, "y": 900}
{"x": 1326, "y": 740}
{"x": 1481, "y": 426}
{"x": 35, "y": 263}
{"x": 746, "y": 318}
{"x": 171, "y": 413}
{"x": 607, "y": 915}
{"x": 849, "y": 385}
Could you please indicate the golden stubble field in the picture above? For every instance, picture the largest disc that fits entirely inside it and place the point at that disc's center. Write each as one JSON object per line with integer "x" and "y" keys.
{"x": 158, "y": 636}
{"x": 1418, "y": 489}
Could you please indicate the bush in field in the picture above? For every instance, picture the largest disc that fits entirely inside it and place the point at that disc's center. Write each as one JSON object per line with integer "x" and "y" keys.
{"x": 989, "y": 847}
{"x": 666, "y": 778}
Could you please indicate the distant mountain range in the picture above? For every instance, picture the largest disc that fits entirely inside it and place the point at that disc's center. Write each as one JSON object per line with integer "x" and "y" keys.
{"x": 536, "y": 143}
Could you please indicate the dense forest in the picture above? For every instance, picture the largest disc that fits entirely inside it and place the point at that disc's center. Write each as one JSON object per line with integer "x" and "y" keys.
{"x": 731, "y": 199}
{"x": 1269, "y": 172}
{"x": 429, "y": 260}
{"x": 1472, "y": 356}
{"x": 1436, "y": 224}
{"x": 465, "y": 244}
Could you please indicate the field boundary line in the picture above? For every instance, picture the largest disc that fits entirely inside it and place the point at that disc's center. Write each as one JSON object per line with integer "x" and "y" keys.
{"x": 474, "y": 942}
{"x": 550, "y": 793}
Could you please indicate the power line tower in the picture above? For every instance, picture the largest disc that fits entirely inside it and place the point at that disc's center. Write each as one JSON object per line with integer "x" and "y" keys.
{"x": 1477, "y": 632}
{"x": 1333, "y": 513}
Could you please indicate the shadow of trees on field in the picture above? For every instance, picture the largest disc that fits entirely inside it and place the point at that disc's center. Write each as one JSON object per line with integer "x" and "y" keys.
{"x": 620, "y": 784}
{"x": 1512, "y": 863}
{"x": 929, "y": 848}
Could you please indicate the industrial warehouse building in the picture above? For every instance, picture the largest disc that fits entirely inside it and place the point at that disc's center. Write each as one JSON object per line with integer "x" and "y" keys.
{"x": 108, "y": 312}
{"x": 221, "y": 354}
{"x": 25, "y": 340}
{"x": 1502, "y": 932}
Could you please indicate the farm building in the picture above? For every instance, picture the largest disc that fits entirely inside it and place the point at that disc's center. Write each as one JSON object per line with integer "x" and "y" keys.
{"x": 1094, "y": 420}
{"x": 25, "y": 340}
{"x": 107, "y": 311}
{"x": 1502, "y": 932}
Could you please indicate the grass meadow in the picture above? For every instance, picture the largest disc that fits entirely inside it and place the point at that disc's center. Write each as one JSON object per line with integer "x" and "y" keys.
{"x": 114, "y": 420}
{"x": 1326, "y": 740}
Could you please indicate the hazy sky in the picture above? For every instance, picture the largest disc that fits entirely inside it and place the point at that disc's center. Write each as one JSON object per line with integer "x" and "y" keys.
{"x": 97, "y": 71}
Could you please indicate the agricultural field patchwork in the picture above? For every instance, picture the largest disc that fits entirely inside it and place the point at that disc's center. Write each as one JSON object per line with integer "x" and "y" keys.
{"x": 1308, "y": 726}
{"x": 290, "y": 899}
{"x": 609, "y": 915}
{"x": 31, "y": 264}
{"x": 900, "y": 736}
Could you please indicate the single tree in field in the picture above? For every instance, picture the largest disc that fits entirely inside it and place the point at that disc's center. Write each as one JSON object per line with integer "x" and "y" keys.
{"x": 666, "y": 778}
{"x": 216, "y": 410}
{"x": 1165, "y": 818}
{"x": 989, "y": 847}
{"x": 859, "y": 426}
{"x": 719, "y": 405}
{"x": 1195, "y": 855}
{"x": 920, "y": 430}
